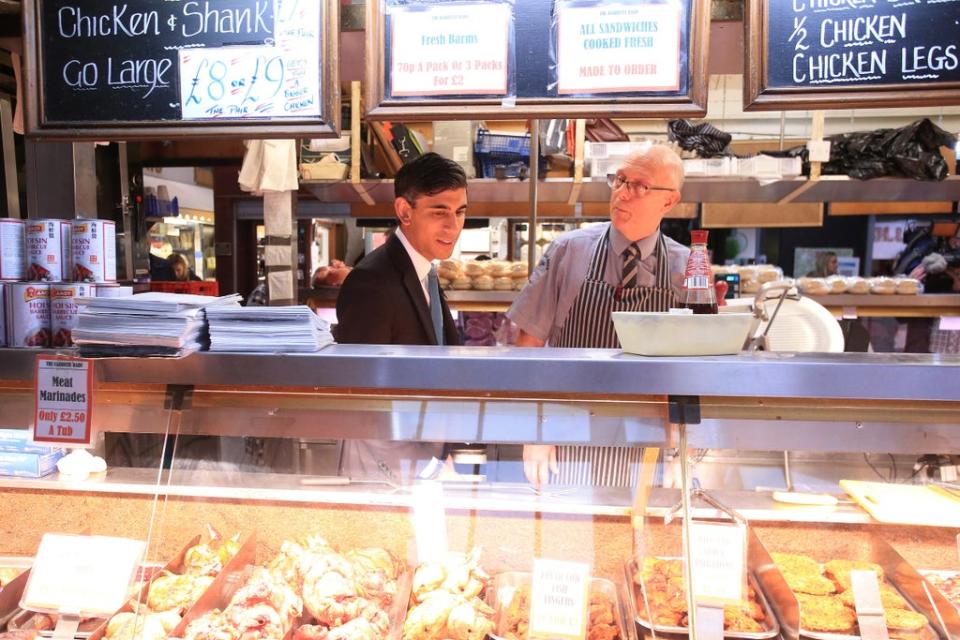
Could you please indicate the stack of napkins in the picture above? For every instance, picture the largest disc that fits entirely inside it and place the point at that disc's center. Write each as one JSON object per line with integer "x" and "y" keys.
{"x": 267, "y": 329}
{"x": 147, "y": 324}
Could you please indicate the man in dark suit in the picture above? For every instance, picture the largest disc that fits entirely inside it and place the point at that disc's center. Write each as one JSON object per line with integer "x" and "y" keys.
{"x": 392, "y": 296}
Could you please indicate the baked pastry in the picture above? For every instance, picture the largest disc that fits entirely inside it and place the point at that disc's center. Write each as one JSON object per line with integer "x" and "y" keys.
{"x": 503, "y": 284}
{"x": 858, "y": 286}
{"x": 449, "y": 269}
{"x": 908, "y": 286}
{"x": 498, "y": 268}
{"x": 461, "y": 283}
{"x": 889, "y": 598}
{"x": 809, "y": 584}
{"x": 825, "y": 613}
{"x": 813, "y": 286}
{"x": 883, "y": 286}
{"x": 837, "y": 284}
{"x": 483, "y": 283}
{"x": 795, "y": 563}
{"x": 475, "y": 269}
{"x": 768, "y": 273}
{"x": 904, "y": 620}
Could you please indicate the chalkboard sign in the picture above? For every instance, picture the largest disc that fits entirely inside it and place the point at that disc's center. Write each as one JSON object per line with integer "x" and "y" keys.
{"x": 443, "y": 59}
{"x": 131, "y": 69}
{"x": 840, "y": 54}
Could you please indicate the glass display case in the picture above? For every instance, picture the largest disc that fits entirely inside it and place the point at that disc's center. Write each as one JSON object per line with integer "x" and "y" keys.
{"x": 254, "y": 446}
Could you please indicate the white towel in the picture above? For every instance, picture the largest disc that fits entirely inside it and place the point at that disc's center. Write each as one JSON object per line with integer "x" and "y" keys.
{"x": 269, "y": 165}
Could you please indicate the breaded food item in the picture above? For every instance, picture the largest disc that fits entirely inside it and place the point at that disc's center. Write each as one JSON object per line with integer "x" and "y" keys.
{"x": 889, "y": 598}
{"x": 902, "y": 620}
{"x": 839, "y": 571}
{"x": 825, "y": 613}
{"x": 813, "y": 585}
{"x": 737, "y": 619}
{"x": 796, "y": 563}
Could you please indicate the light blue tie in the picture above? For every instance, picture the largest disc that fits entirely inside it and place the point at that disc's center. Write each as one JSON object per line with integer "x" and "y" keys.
{"x": 436, "y": 312}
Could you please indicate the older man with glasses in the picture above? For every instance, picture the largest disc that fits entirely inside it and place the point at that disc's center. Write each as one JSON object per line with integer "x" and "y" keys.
{"x": 586, "y": 275}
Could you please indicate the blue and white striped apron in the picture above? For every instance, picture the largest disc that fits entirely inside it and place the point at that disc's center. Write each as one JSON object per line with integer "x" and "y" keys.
{"x": 589, "y": 325}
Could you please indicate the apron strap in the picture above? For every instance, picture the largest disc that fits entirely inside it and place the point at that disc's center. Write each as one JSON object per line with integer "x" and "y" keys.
{"x": 598, "y": 261}
{"x": 663, "y": 264}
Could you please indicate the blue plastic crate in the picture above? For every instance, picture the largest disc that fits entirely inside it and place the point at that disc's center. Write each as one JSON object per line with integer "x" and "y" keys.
{"x": 502, "y": 144}
{"x": 488, "y": 167}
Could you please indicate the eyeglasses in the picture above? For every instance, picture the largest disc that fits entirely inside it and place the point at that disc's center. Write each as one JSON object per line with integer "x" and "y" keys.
{"x": 635, "y": 188}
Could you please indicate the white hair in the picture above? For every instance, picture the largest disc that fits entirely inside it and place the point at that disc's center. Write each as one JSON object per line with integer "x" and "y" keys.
{"x": 656, "y": 157}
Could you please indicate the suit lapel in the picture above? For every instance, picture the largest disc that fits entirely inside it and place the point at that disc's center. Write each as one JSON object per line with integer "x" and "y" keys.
{"x": 410, "y": 282}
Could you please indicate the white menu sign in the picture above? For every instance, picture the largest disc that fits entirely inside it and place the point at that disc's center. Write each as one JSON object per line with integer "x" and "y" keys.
{"x": 558, "y": 599}
{"x": 618, "y": 48}
{"x": 459, "y": 49}
{"x": 62, "y": 401}
{"x": 282, "y": 79}
{"x": 82, "y": 575}
{"x": 718, "y": 551}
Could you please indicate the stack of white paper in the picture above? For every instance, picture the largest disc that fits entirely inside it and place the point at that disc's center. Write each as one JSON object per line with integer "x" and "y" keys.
{"x": 267, "y": 329}
{"x": 146, "y": 324}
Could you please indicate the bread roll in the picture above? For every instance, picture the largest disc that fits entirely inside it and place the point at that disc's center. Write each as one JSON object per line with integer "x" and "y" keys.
{"x": 462, "y": 283}
{"x": 837, "y": 284}
{"x": 518, "y": 271}
{"x": 768, "y": 273}
{"x": 483, "y": 283}
{"x": 908, "y": 287}
{"x": 858, "y": 286}
{"x": 444, "y": 282}
{"x": 449, "y": 269}
{"x": 498, "y": 269}
{"x": 749, "y": 286}
{"x": 883, "y": 286}
{"x": 503, "y": 284}
{"x": 475, "y": 269}
{"x": 813, "y": 286}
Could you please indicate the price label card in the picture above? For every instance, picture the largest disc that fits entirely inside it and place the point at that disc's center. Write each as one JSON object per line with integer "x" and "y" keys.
{"x": 450, "y": 50}
{"x": 429, "y": 522}
{"x": 558, "y": 599}
{"x": 618, "y": 48}
{"x": 63, "y": 401}
{"x": 82, "y": 575}
{"x": 719, "y": 561}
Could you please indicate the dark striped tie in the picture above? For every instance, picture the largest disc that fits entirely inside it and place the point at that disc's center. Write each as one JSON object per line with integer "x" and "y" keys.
{"x": 631, "y": 265}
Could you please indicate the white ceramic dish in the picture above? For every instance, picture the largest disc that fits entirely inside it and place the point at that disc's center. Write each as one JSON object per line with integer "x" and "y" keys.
{"x": 674, "y": 334}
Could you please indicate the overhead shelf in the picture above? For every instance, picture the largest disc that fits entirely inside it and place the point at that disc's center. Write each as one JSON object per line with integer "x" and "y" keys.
{"x": 558, "y": 190}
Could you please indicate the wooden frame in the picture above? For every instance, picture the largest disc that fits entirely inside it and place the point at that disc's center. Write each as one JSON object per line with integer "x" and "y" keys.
{"x": 691, "y": 105}
{"x": 328, "y": 125}
{"x": 757, "y": 96}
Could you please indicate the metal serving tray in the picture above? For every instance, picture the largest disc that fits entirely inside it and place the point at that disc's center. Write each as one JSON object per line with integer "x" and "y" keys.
{"x": 770, "y": 620}
{"x": 908, "y": 583}
{"x": 506, "y": 584}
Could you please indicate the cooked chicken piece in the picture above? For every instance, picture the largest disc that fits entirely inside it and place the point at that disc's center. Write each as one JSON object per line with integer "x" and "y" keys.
{"x": 825, "y": 613}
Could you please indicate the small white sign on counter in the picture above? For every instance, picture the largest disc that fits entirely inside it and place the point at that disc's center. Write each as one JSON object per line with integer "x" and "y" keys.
{"x": 868, "y": 605}
{"x": 429, "y": 522}
{"x": 719, "y": 561}
{"x": 460, "y": 49}
{"x": 618, "y": 48}
{"x": 63, "y": 400}
{"x": 82, "y": 575}
{"x": 558, "y": 599}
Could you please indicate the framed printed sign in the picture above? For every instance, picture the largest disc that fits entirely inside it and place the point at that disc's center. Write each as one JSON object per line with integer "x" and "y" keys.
{"x": 492, "y": 59}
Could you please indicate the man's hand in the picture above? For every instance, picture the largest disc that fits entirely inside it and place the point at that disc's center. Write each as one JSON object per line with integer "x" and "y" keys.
{"x": 539, "y": 461}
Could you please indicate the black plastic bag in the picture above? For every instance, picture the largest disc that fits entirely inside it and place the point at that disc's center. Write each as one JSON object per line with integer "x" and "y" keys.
{"x": 705, "y": 139}
{"x": 912, "y": 151}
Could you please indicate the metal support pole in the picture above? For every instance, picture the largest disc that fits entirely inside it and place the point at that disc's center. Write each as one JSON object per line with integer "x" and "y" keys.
{"x": 129, "y": 233}
{"x": 534, "y": 195}
{"x": 687, "y": 526}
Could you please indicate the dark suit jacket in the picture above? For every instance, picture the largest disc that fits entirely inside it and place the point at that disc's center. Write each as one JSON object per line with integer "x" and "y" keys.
{"x": 382, "y": 302}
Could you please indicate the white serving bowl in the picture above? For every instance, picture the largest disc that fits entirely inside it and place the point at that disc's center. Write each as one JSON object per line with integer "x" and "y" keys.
{"x": 679, "y": 334}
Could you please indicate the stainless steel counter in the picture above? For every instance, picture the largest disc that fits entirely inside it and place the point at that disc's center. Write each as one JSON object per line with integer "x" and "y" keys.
{"x": 531, "y": 372}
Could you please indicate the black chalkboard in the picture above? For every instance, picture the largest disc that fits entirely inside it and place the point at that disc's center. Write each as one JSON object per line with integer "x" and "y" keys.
{"x": 854, "y": 44}
{"x": 533, "y": 68}
{"x": 117, "y": 63}
{"x": 842, "y": 54}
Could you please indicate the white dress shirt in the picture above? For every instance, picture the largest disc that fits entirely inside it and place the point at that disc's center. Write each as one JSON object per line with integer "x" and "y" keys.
{"x": 420, "y": 264}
